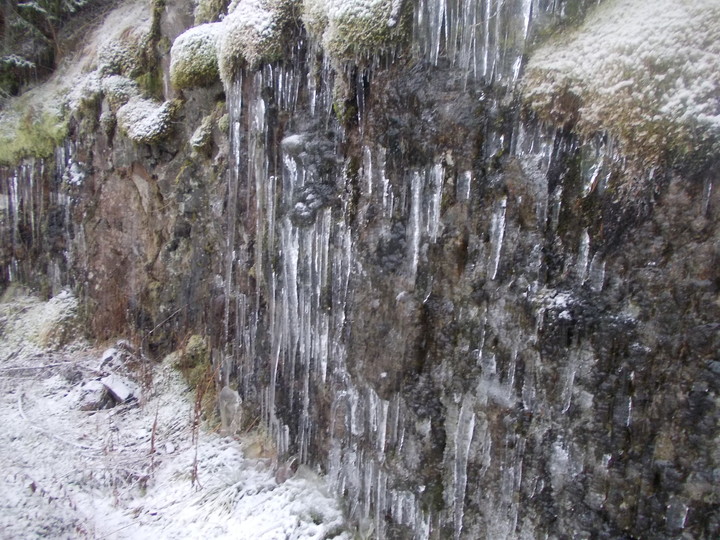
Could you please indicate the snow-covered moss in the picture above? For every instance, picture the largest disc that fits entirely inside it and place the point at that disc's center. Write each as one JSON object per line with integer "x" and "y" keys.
{"x": 145, "y": 120}
{"x": 648, "y": 73}
{"x": 208, "y": 11}
{"x": 350, "y": 28}
{"x": 119, "y": 90}
{"x": 194, "y": 56}
{"x": 123, "y": 38}
{"x": 120, "y": 57}
{"x": 254, "y": 32}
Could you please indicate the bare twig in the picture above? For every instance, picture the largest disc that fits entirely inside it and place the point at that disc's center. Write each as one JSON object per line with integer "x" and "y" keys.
{"x": 48, "y": 434}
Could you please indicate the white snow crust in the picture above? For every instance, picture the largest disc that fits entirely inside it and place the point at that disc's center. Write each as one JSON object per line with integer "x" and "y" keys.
{"x": 647, "y": 72}
{"x": 193, "y": 57}
{"x": 144, "y": 120}
{"x": 127, "y": 472}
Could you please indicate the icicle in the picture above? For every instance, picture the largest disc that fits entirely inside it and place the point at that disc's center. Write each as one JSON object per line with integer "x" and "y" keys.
{"x": 497, "y": 234}
{"x": 583, "y": 257}
{"x": 707, "y": 196}
{"x": 432, "y": 222}
{"x": 413, "y": 227}
{"x": 463, "y": 438}
{"x": 235, "y": 109}
{"x": 596, "y": 273}
{"x": 464, "y": 185}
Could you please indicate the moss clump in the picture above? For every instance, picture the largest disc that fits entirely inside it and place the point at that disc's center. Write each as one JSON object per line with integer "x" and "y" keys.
{"x": 118, "y": 90}
{"x": 359, "y": 28}
{"x": 202, "y": 137}
{"x": 647, "y": 73}
{"x": 34, "y": 133}
{"x": 224, "y": 124}
{"x": 194, "y": 362}
{"x": 209, "y": 10}
{"x": 194, "y": 57}
{"x": 145, "y": 121}
{"x": 255, "y": 32}
{"x": 121, "y": 57}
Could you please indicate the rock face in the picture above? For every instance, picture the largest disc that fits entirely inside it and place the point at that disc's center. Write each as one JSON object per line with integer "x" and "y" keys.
{"x": 481, "y": 316}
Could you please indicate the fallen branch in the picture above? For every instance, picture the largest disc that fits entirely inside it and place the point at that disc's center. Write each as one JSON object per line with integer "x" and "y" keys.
{"x": 48, "y": 434}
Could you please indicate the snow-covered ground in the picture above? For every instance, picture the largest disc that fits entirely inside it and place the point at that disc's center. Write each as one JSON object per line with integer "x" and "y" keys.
{"x": 134, "y": 470}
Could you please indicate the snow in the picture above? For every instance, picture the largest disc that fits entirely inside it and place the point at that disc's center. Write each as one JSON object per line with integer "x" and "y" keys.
{"x": 252, "y": 32}
{"x": 118, "y": 89}
{"x": 647, "y": 72}
{"x": 121, "y": 37}
{"x": 144, "y": 120}
{"x": 353, "y": 26}
{"x": 194, "y": 56}
{"x": 137, "y": 470}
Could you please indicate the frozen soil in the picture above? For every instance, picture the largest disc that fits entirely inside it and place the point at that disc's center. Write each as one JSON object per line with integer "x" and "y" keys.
{"x": 138, "y": 469}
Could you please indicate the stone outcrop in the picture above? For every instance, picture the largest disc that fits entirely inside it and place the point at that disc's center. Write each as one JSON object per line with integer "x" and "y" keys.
{"x": 454, "y": 287}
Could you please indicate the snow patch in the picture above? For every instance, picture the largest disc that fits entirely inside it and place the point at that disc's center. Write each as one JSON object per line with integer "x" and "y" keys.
{"x": 253, "y": 33}
{"x": 135, "y": 470}
{"x": 119, "y": 90}
{"x": 647, "y": 72}
{"x": 144, "y": 120}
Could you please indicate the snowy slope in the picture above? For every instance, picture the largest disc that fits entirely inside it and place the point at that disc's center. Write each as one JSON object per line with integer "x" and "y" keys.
{"x": 73, "y": 473}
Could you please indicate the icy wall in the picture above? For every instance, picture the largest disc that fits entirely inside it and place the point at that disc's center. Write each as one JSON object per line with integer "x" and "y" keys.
{"x": 482, "y": 314}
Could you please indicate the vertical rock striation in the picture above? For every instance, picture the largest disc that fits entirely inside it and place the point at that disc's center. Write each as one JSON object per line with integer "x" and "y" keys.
{"x": 440, "y": 261}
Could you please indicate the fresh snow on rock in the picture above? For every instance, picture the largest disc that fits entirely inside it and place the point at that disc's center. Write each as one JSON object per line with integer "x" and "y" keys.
{"x": 136, "y": 470}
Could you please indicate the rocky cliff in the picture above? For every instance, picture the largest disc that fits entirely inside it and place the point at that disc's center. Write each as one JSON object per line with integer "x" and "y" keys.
{"x": 462, "y": 256}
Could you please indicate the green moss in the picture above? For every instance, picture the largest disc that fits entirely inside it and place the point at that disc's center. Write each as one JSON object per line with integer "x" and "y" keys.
{"x": 351, "y": 35}
{"x": 201, "y": 139}
{"x": 151, "y": 83}
{"x": 224, "y": 124}
{"x": 35, "y": 133}
{"x": 194, "y": 359}
{"x": 196, "y": 367}
{"x": 194, "y": 57}
{"x": 350, "y": 30}
{"x": 209, "y": 11}
{"x": 256, "y": 32}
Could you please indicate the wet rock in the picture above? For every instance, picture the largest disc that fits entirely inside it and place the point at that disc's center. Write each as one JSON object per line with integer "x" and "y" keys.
{"x": 311, "y": 198}
{"x": 94, "y": 396}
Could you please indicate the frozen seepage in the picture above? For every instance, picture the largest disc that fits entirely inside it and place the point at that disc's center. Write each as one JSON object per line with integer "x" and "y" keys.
{"x": 366, "y": 429}
{"x": 36, "y": 229}
{"x": 497, "y": 235}
{"x": 301, "y": 263}
{"x": 235, "y": 110}
{"x": 463, "y": 438}
{"x": 485, "y": 38}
